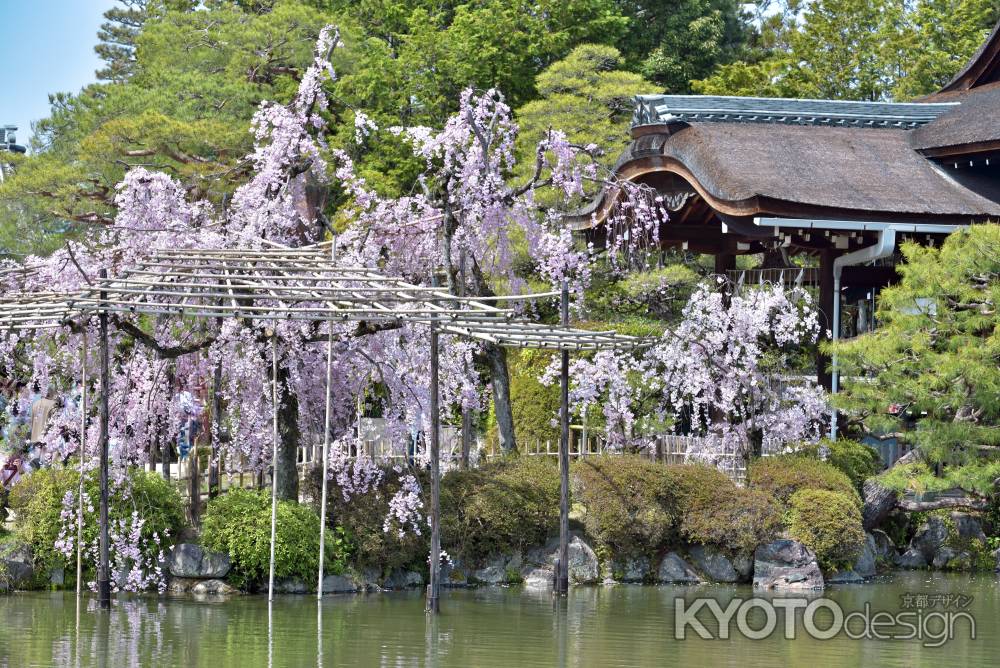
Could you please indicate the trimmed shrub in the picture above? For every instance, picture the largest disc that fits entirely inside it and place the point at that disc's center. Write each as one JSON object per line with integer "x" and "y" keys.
{"x": 629, "y": 503}
{"x": 239, "y": 524}
{"x": 713, "y": 510}
{"x": 829, "y": 523}
{"x": 855, "y": 460}
{"x": 784, "y": 475}
{"x": 362, "y": 518}
{"x": 499, "y": 508}
{"x": 38, "y": 501}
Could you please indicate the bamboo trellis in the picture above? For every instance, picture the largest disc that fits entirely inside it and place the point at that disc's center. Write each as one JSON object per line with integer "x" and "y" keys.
{"x": 262, "y": 286}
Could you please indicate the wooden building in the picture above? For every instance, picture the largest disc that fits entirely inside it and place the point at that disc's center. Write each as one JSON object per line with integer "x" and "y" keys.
{"x": 842, "y": 181}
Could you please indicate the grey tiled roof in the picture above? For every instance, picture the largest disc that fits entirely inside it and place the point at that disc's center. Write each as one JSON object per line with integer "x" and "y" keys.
{"x": 666, "y": 109}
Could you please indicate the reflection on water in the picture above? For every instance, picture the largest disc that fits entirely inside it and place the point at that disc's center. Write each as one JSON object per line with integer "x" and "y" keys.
{"x": 594, "y": 626}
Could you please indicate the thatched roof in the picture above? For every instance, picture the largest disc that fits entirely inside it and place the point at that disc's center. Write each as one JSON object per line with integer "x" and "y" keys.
{"x": 745, "y": 169}
{"x": 982, "y": 69}
{"x": 976, "y": 120}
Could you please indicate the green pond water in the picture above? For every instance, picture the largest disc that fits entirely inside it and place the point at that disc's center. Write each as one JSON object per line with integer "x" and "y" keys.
{"x": 509, "y": 627}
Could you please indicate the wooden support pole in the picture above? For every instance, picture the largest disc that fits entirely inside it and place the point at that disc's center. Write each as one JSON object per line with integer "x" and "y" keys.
{"x": 326, "y": 459}
{"x": 826, "y": 258}
{"x": 103, "y": 567}
{"x": 274, "y": 464}
{"x": 433, "y": 589}
{"x": 214, "y": 465}
{"x": 562, "y": 570}
{"x": 83, "y": 461}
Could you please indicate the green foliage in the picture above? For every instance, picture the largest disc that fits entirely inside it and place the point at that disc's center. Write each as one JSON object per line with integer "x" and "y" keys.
{"x": 829, "y": 523}
{"x": 672, "y": 42}
{"x": 239, "y": 524}
{"x": 534, "y": 405}
{"x": 499, "y": 508}
{"x": 918, "y": 477}
{"x": 362, "y": 518}
{"x": 934, "y": 356}
{"x": 586, "y": 95}
{"x": 855, "y": 460}
{"x": 784, "y": 475}
{"x": 629, "y": 503}
{"x": 37, "y": 500}
{"x": 713, "y": 510}
{"x": 856, "y": 49}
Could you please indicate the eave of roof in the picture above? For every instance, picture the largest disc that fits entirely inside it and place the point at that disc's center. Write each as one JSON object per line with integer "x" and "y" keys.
{"x": 744, "y": 169}
{"x": 657, "y": 109}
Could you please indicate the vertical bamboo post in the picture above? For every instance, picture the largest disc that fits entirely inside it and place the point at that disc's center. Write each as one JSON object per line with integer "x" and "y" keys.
{"x": 214, "y": 464}
{"x": 103, "y": 570}
{"x": 433, "y": 600}
{"x": 274, "y": 464}
{"x": 326, "y": 452}
{"x": 562, "y": 574}
{"x": 83, "y": 460}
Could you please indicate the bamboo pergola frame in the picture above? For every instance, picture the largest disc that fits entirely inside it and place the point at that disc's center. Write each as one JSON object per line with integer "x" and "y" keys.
{"x": 263, "y": 286}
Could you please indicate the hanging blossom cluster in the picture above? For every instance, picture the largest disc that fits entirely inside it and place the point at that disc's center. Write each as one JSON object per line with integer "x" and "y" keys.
{"x": 136, "y": 555}
{"x": 716, "y": 375}
{"x": 405, "y": 508}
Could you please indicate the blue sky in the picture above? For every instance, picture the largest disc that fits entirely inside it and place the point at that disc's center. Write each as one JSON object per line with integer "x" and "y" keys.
{"x": 46, "y": 46}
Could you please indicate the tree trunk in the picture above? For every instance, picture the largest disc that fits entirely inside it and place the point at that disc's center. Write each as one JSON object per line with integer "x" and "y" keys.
{"x": 286, "y": 473}
{"x": 496, "y": 357}
{"x": 879, "y": 502}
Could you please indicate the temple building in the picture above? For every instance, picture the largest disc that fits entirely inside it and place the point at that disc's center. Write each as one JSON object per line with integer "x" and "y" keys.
{"x": 844, "y": 182}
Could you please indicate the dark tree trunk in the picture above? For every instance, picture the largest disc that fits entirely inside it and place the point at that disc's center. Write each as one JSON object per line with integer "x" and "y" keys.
{"x": 286, "y": 473}
{"x": 879, "y": 502}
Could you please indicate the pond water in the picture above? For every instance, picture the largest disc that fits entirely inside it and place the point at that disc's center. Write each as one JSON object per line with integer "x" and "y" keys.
{"x": 593, "y": 626}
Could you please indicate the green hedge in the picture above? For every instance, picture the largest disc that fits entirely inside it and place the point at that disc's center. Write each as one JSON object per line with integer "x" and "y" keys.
{"x": 714, "y": 510}
{"x": 855, "y": 460}
{"x": 629, "y": 503}
{"x": 239, "y": 523}
{"x": 829, "y": 523}
{"x": 784, "y": 475}
{"x": 37, "y": 500}
{"x": 499, "y": 508}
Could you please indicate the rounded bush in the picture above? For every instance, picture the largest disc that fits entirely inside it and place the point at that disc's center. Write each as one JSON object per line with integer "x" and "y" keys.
{"x": 239, "y": 524}
{"x": 829, "y": 523}
{"x": 784, "y": 475}
{"x": 38, "y": 501}
{"x": 713, "y": 510}
{"x": 499, "y": 508}
{"x": 629, "y": 503}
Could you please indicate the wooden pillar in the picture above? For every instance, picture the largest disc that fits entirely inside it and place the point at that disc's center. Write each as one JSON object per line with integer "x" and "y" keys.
{"x": 433, "y": 589}
{"x": 562, "y": 570}
{"x": 826, "y": 258}
{"x": 103, "y": 566}
{"x": 326, "y": 458}
{"x": 724, "y": 262}
{"x": 83, "y": 461}
{"x": 274, "y": 463}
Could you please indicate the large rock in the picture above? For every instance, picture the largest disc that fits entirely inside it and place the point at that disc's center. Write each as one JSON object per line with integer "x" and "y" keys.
{"x": 338, "y": 584}
{"x": 786, "y": 564}
{"x": 968, "y": 528}
{"x": 17, "y": 566}
{"x": 743, "y": 563}
{"x": 499, "y": 569}
{"x": 885, "y": 549}
{"x": 674, "y": 570}
{"x": 454, "y": 574}
{"x": 213, "y": 587}
{"x": 403, "y": 580}
{"x": 996, "y": 555}
{"x": 948, "y": 558}
{"x": 713, "y": 564}
{"x": 865, "y": 565}
{"x": 583, "y": 565}
{"x": 630, "y": 569}
{"x": 912, "y": 559}
{"x": 290, "y": 585}
{"x": 188, "y": 560}
{"x": 930, "y": 536}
